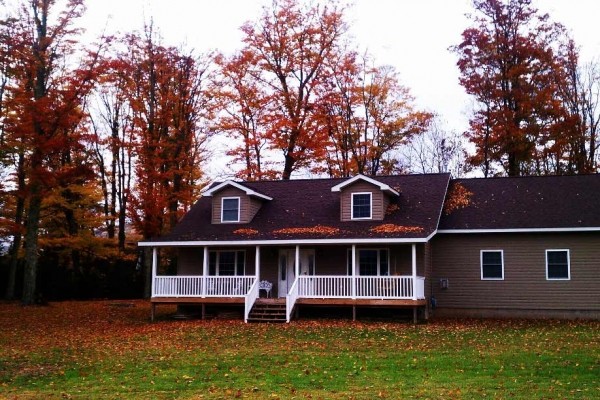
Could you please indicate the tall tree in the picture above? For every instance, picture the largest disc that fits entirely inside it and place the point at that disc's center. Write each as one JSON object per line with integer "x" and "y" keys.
{"x": 368, "y": 116}
{"x": 51, "y": 83}
{"x": 111, "y": 120}
{"x": 292, "y": 45}
{"x": 244, "y": 106}
{"x": 510, "y": 61}
{"x": 12, "y": 158}
{"x": 437, "y": 150}
{"x": 167, "y": 100}
{"x": 580, "y": 93}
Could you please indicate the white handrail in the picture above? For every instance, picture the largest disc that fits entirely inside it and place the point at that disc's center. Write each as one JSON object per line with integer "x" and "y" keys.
{"x": 290, "y": 300}
{"x": 251, "y": 298}
{"x": 202, "y": 286}
{"x": 367, "y": 287}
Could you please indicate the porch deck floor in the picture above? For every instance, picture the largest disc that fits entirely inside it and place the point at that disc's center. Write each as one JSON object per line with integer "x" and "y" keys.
{"x": 301, "y": 301}
{"x": 362, "y": 302}
{"x": 197, "y": 300}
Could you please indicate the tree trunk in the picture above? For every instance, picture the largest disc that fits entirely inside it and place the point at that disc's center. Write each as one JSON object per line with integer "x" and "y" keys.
{"x": 31, "y": 245}
{"x": 288, "y": 167}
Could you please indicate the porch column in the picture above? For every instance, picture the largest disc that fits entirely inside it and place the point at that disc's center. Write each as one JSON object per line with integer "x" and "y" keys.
{"x": 354, "y": 271}
{"x": 257, "y": 262}
{"x": 154, "y": 268}
{"x": 204, "y": 270}
{"x": 414, "y": 271}
{"x": 297, "y": 266}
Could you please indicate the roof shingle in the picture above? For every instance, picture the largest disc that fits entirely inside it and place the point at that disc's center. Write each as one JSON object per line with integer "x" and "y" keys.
{"x": 305, "y": 204}
{"x": 534, "y": 202}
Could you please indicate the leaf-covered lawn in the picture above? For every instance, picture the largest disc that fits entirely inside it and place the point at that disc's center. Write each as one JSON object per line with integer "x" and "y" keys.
{"x": 109, "y": 350}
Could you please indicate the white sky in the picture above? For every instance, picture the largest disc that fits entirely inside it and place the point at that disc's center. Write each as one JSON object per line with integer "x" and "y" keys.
{"x": 411, "y": 35}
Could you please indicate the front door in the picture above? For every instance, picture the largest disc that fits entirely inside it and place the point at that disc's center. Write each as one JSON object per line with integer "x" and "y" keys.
{"x": 287, "y": 268}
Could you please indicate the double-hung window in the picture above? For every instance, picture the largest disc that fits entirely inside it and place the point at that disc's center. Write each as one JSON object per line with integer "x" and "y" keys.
{"x": 230, "y": 209}
{"x": 492, "y": 264}
{"x": 558, "y": 264}
{"x": 227, "y": 263}
{"x": 370, "y": 262}
{"x": 361, "y": 205}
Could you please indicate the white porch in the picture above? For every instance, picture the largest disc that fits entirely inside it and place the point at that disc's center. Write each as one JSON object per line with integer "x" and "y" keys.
{"x": 244, "y": 289}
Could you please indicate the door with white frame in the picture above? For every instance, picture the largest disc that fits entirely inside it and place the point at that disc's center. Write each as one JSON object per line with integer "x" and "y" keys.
{"x": 287, "y": 268}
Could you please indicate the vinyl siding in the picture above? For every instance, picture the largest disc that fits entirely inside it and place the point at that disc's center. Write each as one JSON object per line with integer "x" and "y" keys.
{"x": 379, "y": 203}
{"x": 457, "y": 258}
{"x": 248, "y": 206}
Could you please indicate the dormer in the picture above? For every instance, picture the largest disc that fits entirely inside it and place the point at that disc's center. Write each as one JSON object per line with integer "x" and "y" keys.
{"x": 363, "y": 198}
{"x": 234, "y": 203}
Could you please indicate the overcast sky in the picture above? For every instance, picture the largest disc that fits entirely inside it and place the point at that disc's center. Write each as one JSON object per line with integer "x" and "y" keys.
{"x": 411, "y": 35}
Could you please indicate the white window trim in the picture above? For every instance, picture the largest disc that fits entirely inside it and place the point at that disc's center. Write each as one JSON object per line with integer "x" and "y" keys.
{"x": 218, "y": 259}
{"x": 238, "y": 210}
{"x": 568, "y": 278}
{"x": 370, "y": 206}
{"x": 378, "y": 250}
{"x": 481, "y": 264}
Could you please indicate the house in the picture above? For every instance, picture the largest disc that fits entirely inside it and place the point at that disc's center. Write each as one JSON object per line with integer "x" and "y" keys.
{"x": 526, "y": 247}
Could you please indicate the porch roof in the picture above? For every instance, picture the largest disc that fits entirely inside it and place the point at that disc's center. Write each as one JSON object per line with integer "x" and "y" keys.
{"x": 307, "y": 209}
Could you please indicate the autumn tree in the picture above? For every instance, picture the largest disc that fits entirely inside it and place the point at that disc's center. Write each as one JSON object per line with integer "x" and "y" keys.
{"x": 243, "y": 106}
{"x": 368, "y": 116}
{"x": 12, "y": 157}
{"x": 166, "y": 96}
{"x": 50, "y": 84}
{"x": 510, "y": 62}
{"x": 291, "y": 45}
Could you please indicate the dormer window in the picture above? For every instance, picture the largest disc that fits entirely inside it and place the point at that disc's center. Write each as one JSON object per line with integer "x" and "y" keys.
{"x": 230, "y": 209}
{"x": 361, "y": 205}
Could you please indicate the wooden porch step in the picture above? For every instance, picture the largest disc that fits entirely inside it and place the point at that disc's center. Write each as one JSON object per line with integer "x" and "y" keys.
{"x": 268, "y": 311}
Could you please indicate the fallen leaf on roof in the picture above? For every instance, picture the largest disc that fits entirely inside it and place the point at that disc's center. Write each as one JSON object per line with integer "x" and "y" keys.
{"x": 458, "y": 197}
{"x": 245, "y": 231}
{"x": 317, "y": 229}
{"x": 393, "y": 228}
{"x": 391, "y": 208}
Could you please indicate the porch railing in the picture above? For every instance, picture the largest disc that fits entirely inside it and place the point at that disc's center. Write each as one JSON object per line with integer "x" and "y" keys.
{"x": 290, "y": 300}
{"x": 250, "y": 299}
{"x": 367, "y": 287}
{"x": 202, "y": 286}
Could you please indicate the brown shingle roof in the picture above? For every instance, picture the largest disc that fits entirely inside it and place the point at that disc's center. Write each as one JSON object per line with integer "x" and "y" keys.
{"x": 527, "y": 203}
{"x": 308, "y": 203}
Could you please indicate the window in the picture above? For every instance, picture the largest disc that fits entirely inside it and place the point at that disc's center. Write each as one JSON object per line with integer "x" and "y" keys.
{"x": 371, "y": 262}
{"x": 558, "y": 266}
{"x": 361, "y": 205}
{"x": 230, "y": 209}
{"x": 492, "y": 264}
{"x": 227, "y": 263}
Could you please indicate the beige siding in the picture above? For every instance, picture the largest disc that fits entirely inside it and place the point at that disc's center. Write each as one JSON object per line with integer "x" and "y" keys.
{"x": 457, "y": 258}
{"x": 378, "y": 200}
{"x": 248, "y": 206}
{"x": 253, "y": 207}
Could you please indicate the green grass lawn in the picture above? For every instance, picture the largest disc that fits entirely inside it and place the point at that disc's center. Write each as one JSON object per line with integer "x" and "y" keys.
{"x": 105, "y": 350}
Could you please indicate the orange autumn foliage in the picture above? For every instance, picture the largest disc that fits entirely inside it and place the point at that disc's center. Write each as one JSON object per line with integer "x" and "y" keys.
{"x": 393, "y": 228}
{"x": 245, "y": 231}
{"x": 316, "y": 230}
{"x": 458, "y": 197}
